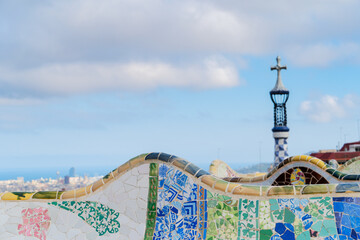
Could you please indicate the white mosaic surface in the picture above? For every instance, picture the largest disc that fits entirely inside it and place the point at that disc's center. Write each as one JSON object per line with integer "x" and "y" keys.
{"x": 127, "y": 195}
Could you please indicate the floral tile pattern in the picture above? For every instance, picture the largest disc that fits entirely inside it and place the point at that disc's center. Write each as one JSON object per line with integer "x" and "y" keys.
{"x": 36, "y": 222}
{"x": 102, "y": 218}
{"x": 248, "y": 219}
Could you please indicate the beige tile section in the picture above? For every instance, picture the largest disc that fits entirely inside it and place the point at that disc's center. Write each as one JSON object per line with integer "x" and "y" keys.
{"x": 68, "y": 195}
{"x": 221, "y": 185}
{"x": 208, "y": 180}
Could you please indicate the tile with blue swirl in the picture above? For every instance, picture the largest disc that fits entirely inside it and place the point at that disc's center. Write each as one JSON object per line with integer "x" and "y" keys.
{"x": 181, "y": 206}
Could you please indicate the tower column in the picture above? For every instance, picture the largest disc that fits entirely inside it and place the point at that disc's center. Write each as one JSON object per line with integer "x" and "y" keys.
{"x": 279, "y": 96}
{"x": 281, "y": 147}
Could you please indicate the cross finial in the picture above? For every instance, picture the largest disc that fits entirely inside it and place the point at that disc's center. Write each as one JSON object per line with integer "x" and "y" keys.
{"x": 279, "y": 85}
{"x": 278, "y": 67}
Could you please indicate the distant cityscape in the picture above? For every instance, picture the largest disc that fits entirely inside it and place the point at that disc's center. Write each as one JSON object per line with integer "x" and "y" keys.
{"x": 68, "y": 182}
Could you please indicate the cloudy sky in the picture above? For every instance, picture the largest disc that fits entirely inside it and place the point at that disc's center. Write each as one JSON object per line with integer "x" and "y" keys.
{"x": 87, "y": 82}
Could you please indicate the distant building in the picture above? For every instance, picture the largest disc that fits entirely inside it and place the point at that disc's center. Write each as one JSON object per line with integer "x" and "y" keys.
{"x": 348, "y": 151}
{"x": 72, "y": 172}
{"x": 66, "y": 180}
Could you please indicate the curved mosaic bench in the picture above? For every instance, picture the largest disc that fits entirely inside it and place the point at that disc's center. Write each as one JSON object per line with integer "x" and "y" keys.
{"x": 222, "y": 170}
{"x": 351, "y": 166}
{"x": 160, "y": 196}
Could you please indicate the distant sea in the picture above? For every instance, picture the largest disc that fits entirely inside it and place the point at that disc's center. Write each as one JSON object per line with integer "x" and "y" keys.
{"x": 30, "y": 174}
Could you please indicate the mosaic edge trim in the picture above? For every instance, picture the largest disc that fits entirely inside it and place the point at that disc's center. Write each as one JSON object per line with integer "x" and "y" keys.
{"x": 203, "y": 176}
{"x": 152, "y": 201}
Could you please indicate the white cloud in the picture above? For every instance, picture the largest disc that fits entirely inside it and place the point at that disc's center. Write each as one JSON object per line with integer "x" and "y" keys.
{"x": 322, "y": 55}
{"x": 80, "y": 46}
{"x": 310, "y": 32}
{"x": 77, "y": 78}
{"x": 327, "y": 108}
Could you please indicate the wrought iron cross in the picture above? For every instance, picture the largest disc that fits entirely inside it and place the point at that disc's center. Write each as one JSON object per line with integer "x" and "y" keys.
{"x": 278, "y": 67}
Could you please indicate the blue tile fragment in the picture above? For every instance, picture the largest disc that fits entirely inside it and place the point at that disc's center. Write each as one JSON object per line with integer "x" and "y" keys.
{"x": 164, "y": 157}
{"x": 338, "y": 206}
{"x": 288, "y": 235}
{"x": 152, "y": 156}
{"x": 280, "y": 228}
{"x": 338, "y": 199}
{"x": 353, "y": 234}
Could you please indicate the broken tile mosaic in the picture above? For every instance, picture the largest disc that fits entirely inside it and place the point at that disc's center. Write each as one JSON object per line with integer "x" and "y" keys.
{"x": 166, "y": 197}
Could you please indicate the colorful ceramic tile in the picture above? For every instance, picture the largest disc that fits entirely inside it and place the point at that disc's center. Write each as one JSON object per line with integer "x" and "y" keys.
{"x": 248, "y": 219}
{"x": 152, "y": 200}
{"x": 347, "y": 215}
{"x": 265, "y": 221}
{"x": 36, "y": 223}
{"x": 297, "y": 177}
{"x": 223, "y": 214}
{"x": 102, "y": 218}
{"x": 181, "y": 206}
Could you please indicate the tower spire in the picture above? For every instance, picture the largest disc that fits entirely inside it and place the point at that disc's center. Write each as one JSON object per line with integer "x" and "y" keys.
{"x": 279, "y": 96}
{"x": 279, "y": 85}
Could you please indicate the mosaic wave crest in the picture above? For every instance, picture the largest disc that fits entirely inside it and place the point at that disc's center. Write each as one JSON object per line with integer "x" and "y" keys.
{"x": 159, "y": 196}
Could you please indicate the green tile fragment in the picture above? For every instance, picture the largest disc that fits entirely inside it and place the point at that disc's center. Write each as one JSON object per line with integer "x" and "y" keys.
{"x": 274, "y": 204}
{"x": 265, "y": 234}
{"x": 289, "y": 216}
{"x": 304, "y": 236}
{"x": 45, "y": 195}
{"x": 154, "y": 169}
{"x": 152, "y": 200}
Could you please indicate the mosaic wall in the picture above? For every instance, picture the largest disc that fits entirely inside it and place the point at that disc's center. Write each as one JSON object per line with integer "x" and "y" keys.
{"x": 186, "y": 210}
{"x": 147, "y": 199}
{"x": 118, "y": 210}
{"x": 299, "y": 176}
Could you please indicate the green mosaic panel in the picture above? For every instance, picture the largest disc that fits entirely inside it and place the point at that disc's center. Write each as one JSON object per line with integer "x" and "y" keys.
{"x": 102, "y": 218}
{"x": 265, "y": 220}
{"x": 223, "y": 215}
{"x": 248, "y": 219}
{"x": 152, "y": 199}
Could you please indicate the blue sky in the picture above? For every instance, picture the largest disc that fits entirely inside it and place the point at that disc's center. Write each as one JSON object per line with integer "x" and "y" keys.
{"x": 89, "y": 83}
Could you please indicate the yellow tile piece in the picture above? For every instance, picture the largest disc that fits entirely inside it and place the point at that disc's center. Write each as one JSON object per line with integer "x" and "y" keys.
{"x": 315, "y": 189}
{"x": 208, "y": 180}
{"x": 16, "y": 196}
{"x": 298, "y": 189}
{"x": 221, "y": 185}
{"x": 80, "y": 192}
{"x": 180, "y": 163}
{"x": 96, "y": 185}
{"x": 280, "y": 190}
{"x": 246, "y": 190}
{"x": 123, "y": 168}
{"x": 68, "y": 195}
{"x": 245, "y": 180}
{"x": 331, "y": 188}
{"x": 231, "y": 187}
{"x": 135, "y": 161}
{"x": 107, "y": 178}
{"x": 258, "y": 178}
{"x": 88, "y": 189}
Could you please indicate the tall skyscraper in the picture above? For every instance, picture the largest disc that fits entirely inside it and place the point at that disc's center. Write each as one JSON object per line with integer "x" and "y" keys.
{"x": 72, "y": 172}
